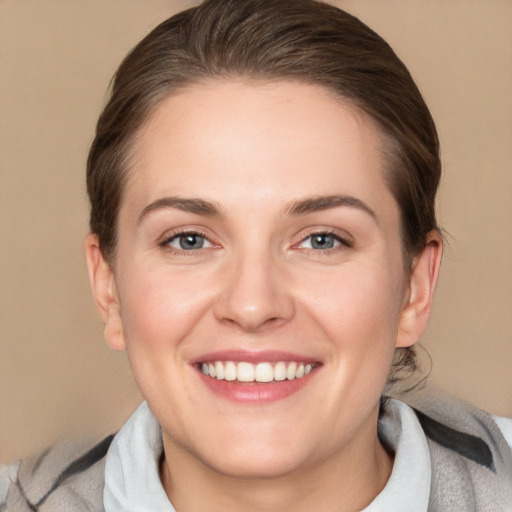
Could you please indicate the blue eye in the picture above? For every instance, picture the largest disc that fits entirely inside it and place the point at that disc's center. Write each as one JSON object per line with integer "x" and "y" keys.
{"x": 321, "y": 241}
{"x": 188, "y": 242}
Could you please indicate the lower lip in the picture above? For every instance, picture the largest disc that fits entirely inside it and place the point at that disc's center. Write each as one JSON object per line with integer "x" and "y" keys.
{"x": 256, "y": 392}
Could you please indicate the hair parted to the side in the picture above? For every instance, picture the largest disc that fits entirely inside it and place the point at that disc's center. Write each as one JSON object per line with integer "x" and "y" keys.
{"x": 262, "y": 40}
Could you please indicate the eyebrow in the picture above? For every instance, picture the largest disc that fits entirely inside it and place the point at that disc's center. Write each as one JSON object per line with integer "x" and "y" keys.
{"x": 313, "y": 204}
{"x": 300, "y": 207}
{"x": 191, "y": 205}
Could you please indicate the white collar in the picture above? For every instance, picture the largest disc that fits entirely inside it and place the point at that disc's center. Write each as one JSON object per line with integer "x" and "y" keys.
{"x": 408, "y": 487}
{"x": 132, "y": 481}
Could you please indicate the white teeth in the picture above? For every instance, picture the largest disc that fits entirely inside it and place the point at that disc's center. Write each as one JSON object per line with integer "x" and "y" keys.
{"x": 280, "y": 371}
{"x": 261, "y": 372}
{"x": 219, "y": 370}
{"x": 245, "y": 372}
{"x": 291, "y": 370}
{"x": 264, "y": 373}
{"x": 230, "y": 371}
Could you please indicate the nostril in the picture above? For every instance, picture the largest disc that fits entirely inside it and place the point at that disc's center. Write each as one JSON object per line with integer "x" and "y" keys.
{"x": 253, "y": 300}
{"x": 252, "y": 325}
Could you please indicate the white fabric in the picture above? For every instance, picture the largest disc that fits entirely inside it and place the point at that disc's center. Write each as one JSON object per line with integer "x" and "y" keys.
{"x": 410, "y": 478}
{"x": 505, "y": 425}
{"x": 132, "y": 480}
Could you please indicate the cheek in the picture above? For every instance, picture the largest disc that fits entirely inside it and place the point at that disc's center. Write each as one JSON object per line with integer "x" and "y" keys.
{"x": 359, "y": 310}
{"x": 160, "y": 307}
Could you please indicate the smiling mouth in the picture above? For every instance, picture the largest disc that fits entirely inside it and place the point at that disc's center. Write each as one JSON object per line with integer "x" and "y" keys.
{"x": 263, "y": 372}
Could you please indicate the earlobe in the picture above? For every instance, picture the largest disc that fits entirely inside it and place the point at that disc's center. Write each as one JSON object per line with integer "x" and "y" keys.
{"x": 422, "y": 284}
{"x": 101, "y": 278}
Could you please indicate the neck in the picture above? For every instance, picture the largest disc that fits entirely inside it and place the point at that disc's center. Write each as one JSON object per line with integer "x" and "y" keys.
{"x": 347, "y": 481}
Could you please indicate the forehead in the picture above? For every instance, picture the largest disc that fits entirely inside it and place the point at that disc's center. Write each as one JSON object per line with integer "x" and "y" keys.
{"x": 250, "y": 141}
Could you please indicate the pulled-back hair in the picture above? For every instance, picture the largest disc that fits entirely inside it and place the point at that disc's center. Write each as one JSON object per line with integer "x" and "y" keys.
{"x": 262, "y": 40}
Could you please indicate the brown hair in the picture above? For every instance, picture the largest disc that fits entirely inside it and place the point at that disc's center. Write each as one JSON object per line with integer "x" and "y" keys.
{"x": 302, "y": 40}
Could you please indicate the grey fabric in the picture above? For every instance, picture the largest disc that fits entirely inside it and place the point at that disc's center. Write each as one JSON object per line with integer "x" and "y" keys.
{"x": 67, "y": 477}
{"x": 462, "y": 479}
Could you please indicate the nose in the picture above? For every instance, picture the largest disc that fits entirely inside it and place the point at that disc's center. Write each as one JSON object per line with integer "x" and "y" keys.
{"x": 255, "y": 295}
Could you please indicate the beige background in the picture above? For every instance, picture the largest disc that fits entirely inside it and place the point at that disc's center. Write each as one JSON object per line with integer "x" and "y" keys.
{"x": 56, "y": 57}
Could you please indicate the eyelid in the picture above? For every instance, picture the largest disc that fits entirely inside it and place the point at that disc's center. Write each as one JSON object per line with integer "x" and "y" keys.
{"x": 309, "y": 240}
{"x": 173, "y": 234}
{"x": 177, "y": 237}
{"x": 345, "y": 239}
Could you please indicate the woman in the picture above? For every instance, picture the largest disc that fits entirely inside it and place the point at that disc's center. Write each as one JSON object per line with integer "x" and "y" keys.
{"x": 264, "y": 246}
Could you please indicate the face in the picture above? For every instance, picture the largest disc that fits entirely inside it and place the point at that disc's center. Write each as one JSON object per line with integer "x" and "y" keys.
{"x": 258, "y": 284}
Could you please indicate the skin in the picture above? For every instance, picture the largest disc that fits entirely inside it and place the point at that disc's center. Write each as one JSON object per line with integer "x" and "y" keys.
{"x": 253, "y": 151}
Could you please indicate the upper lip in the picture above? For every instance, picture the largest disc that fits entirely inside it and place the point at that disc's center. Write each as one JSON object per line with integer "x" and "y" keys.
{"x": 267, "y": 356}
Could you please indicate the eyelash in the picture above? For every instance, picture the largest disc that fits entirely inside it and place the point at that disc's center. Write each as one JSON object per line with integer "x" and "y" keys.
{"x": 344, "y": 243}
{"x": 165, "y": 244}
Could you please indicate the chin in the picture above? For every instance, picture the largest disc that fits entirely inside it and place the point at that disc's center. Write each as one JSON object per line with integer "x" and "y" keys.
{"x": 259, "y": 452}
{"x": 266, "y": 465}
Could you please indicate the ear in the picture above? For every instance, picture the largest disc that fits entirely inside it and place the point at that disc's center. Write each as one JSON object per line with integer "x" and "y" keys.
{"x": 101, "y": 277}
{"x": 422, "y": 284}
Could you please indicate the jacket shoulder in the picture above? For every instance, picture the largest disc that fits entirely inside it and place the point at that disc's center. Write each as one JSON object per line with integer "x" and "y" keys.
{"x": 470, "y": 457}
{"x": 66, "y": 476}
